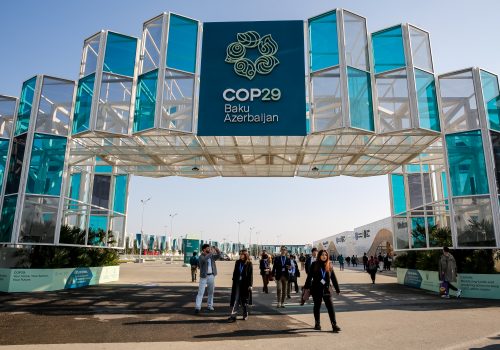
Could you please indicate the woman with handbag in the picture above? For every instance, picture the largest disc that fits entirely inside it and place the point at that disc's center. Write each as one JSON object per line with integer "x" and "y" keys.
{"x": 319, "y": 282}
{"x": 265, "y": 271}
{"x": 242, "y": 286}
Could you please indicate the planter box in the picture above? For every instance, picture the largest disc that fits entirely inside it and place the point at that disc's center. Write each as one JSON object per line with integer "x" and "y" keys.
{"x": 45, "y": 280}
{"x": 472, "y": 285}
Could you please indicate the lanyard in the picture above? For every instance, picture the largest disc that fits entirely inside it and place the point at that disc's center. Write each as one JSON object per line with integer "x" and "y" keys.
{"x": 283, "y": 259}
{"x": 323, "y": 273}
{"x": 242, "y": 266}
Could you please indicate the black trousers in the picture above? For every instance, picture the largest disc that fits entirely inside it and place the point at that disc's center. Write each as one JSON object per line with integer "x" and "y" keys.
{"x": 327, "y": 298}
{"x": 373, "y": 273}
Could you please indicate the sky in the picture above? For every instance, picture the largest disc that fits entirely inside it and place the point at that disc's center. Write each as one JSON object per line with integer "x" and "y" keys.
{"x": 46, "y": 37}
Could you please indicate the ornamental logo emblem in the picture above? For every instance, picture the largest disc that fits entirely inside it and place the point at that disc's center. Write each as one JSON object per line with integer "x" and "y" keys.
{"x": 245, "y": 67}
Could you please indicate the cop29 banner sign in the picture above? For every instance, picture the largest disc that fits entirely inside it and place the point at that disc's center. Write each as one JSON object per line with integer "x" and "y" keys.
{"x": 252, "y": 80}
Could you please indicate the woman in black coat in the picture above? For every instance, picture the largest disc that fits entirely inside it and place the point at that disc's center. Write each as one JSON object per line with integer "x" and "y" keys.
{"x": 242, "y": 286}
{"x": 319, "y": 281}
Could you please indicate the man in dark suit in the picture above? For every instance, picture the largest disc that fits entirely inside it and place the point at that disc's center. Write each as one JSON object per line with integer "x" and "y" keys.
{"x": 281, "y": 267}
{"x": 311, "y": 259}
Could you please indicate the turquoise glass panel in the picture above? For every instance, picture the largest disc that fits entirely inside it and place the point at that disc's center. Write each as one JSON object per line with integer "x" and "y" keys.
{"x": 120, "y": 54}
{"x": 445, "y": 184}
{"x": 427, "y": 101}
{"x": 102, "y": 169}
{"x": 74, "y": 189}
{"x": 323, "y": 41}
{"x": 46, "y": 165}
{"x": 4, "y": 148}
{"x": 145, "y": 102}
{"x": 7, "y": 218}
{"x": 182, "y": 43}
{"x": 388, "y": 49}
{"x": 489, "y": 84}
{"x": 98, "y": 226}
{"x": 467, "y": 166}
{"x": 16, "y": 162}
{"x": 398, "y": 194}
{"x": 83, "y": 105}
{"x": 418, "y": 236}
{"x": 120, "y": 196}
{"x": 360, "y": 99}
{"x": 25, "y": 104}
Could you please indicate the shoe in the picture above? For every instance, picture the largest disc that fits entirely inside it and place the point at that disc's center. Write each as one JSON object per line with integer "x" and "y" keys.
{"x": 278, "y": 306}
{"x": 445, "y": 296}
{"x": 317, "y": 326}
{"x": 231, "y": 319}
{"x": 245, "y": 317}
{"x": 282, "y": 305}
{"x": 196, "y": 311}
{"x": 288, "y": 297}
{"x": 210, "y": 308}
{"x": 459, "y": 293}
{"x": 335, "y": 328}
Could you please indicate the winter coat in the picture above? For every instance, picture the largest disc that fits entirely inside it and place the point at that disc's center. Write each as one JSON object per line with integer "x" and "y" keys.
{"x": 263, "y": 265}
{"x": 280, "y": 270}
{"x": 313, "y": 281}
{"x": 241, "y": 286}
{"x": 447, "y": 268}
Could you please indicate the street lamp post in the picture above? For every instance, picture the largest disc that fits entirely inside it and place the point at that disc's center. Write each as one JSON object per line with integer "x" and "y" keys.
{"x": 172, "y": 216}
{"x": 258, "y": 242}
{"x": 239, "y": 224}
{"x": 250, "y": 241}
{"x": 143, "y": 202}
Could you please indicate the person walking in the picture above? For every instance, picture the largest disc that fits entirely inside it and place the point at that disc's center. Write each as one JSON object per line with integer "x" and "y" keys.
{"x": 311, "y": 259}
{"x": 365, "y": 262}
{"x": 280, "y": 272}
{"x": 319, "y": 281}
{"x": 293, "y": 276}
{"x": 348, "y": 261}
{"x": 242, "y": 286}
{"x": 193, "y": 261}
{"x": 302, "y": 260}
{"x": 341, "y": 262}
{"x": 448, "y": 273}
{"x": 208, "y": 271}
{"x": 372, "y": 267}
{"x": 265, "y": 271}
{"x": 389, "y": 262}
{"x": 380, "y": 259}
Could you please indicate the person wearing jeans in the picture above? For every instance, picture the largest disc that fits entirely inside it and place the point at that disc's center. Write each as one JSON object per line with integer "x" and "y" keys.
{"x": 280, "y": 272}
{"x": 448, "y": 272}
{"x": 208, "y": 272}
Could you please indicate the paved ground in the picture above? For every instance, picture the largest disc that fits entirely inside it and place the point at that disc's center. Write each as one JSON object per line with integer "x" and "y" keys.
{"x": 152, "y": 305}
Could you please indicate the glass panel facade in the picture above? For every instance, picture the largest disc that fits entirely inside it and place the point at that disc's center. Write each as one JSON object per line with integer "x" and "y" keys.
{"x": 393, "y": 101}
{"x": 120, "y": 54}
{"x": 98, "y": 227}
{"x": 25, "y": 104}
{"x": 415, "y": 189}
{"x": 360, "y": 99}
{"x": 15, "y": 164}
{"x": 39, "y": 219}
{"x": 427, "y": 101}
{"x": 323, "y": 41}
{"x": 152, "y": 45}
{"x": 83, "y": 105}
{"x": 7, "y": 218}
{"x": 182, "y": 43}
{"x": 117, "y": 231}
{"x": 120, "y": 194}
{"x": 491, "y": 95}
{"x": 356, "y": 43}
{"x": 326, "y": 100}
{"x": 113, "y": 112}
{"x": 418, "y": 236}
{"x": 145, "y": 102}
{"x": 177, "y": 103}
{"x": 101, "y": 191}
{"x": 467, "y": 165}
{"x": 495, "y": 143}
{"x": 459, "y": 104}
{"x": 55, "y": 107}
{"x": 388, "y": 49}
{"x": 7, "y": 110}
{"x": 401, "y": 233}
{"x": 398, "y": 194}
{"x": 474, "y": 222}
{"x": 421, "y": 49}
{"x": 46, "y": 165}
{"x": 4, "y": 149}
{"x": 91, "y": 51}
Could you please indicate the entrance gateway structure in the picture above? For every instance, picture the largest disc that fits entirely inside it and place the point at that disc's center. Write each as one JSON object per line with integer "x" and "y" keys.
{"x": 314, "y": 99}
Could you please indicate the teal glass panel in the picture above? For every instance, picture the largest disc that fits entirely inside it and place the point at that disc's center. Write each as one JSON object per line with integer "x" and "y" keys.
{"x": 388, "y": 49}
{"x": 98, "y": 226}
{"x": 427, "y": 101}
{"x": 398, "y": 194}
{"x": 4, "y": 148}
{"x": 7, "y": 218}
{"x": 74, "y": 189}
{"x": 120, "y": 54}
{"x": 15, "y": 164}
{"x": 360, "y": 99}
{"x": 145, "y": 101}
{"x": 100, "y": 169}
{"x": 418, "y": 236}
{"x": 25, "y": 104}
{"x": 182, "y": 43}
{"x": 323, "y": 41}
{"x": 83, "y": 105}
{"x": 120, "y": 196}
{"x": 445, "y": 184}
{"x": 46, "y": 165}
{"x": 467, "y": 165}
{"x": 491, "y": 95}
